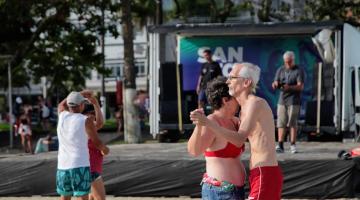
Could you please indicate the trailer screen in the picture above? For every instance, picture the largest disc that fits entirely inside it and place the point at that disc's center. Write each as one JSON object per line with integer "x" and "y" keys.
{"x": 266, "y": 52}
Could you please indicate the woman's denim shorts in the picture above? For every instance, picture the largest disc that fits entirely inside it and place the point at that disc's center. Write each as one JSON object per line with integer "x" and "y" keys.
{"x": 211, "y": 192}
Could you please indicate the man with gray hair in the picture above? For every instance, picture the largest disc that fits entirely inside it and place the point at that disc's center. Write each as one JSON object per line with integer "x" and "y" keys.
{"x": 73, "y": 177}
{"x": 256, "y": 125}
{"x": 289, "y": 79}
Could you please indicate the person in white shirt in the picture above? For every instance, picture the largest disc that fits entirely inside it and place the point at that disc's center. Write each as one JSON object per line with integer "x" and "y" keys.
{"x": 73, "y": 176}
{"x": 45, "y": 115}
{"x": 25, "y": 133}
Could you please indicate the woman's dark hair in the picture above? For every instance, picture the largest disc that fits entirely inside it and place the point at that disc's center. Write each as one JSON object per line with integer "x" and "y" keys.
{"x": 89, "y": 108}
{"x": 215, "y": 91}
{"x": 24, "y": 121}
{"x": 208, "y": 51}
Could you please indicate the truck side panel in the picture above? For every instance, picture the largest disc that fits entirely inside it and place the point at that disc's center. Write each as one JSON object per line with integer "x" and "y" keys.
{"x": 351, "y": 58}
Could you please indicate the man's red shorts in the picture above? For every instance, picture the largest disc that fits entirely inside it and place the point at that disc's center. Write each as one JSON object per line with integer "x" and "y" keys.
{"x": 265, "y": 183}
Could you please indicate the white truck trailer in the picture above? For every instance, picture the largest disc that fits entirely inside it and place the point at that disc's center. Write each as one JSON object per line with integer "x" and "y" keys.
{"x": 329, "y": 52}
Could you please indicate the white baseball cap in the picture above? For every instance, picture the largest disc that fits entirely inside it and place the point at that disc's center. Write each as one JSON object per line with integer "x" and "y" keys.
{"x": 74, "y": 99}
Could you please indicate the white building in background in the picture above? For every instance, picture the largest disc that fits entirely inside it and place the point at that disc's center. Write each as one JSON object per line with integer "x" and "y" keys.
{"x": 114, "y": 60}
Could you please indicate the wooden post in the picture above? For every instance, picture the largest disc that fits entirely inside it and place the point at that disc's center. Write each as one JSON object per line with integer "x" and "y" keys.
{"x": 318, "y": 109}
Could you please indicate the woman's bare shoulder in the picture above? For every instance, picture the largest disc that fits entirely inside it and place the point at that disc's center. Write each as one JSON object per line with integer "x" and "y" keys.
{"x": 212, "y": 117}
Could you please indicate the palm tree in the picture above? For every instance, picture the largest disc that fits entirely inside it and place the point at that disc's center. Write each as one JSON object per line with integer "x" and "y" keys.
{"x": 132, "y": 124}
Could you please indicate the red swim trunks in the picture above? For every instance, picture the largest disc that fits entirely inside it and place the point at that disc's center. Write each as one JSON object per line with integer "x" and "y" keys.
{"x": 265, "y": 183}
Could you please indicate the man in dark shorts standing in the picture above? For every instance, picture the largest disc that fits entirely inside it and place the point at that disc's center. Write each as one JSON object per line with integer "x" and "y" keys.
{"x": 290, "y": 80}
{"x": 209, "y": 70}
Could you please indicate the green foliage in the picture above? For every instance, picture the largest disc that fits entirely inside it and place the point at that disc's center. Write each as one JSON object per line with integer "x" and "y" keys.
{"x": 321, "y": 10}
{"x": 110, "y": 124}
{"x": 143, "y": 11}
{"x": 19, "y": 75}
{"x": 264, "y": 10}
{"x": 15, "y": 29}
{"x": 67, "y": 64}
{"x": 4, "y": 127}
{"x": 58, "y": 39}
{"x": 54, "y": 39}
{"x": 210, "y": 11}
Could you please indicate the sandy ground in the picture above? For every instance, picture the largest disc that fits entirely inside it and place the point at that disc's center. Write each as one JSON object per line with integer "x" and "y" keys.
{"x": 108, "y": 198}
{"x": 123, "y": 198}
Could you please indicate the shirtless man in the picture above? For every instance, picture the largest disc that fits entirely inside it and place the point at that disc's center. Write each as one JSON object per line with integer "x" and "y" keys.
{"x": 257, "y": 125}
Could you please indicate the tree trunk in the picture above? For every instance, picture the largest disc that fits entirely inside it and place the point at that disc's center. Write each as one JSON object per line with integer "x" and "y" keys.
{"x": 132, "y": 132}
{"x": 159, "y": 13}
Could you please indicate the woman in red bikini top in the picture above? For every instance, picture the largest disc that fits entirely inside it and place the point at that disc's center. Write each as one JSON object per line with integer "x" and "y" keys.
{"x": 224, "y": 168}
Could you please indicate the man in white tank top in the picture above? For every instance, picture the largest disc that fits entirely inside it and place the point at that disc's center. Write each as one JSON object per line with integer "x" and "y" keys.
{"x": 73, "y": 170}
